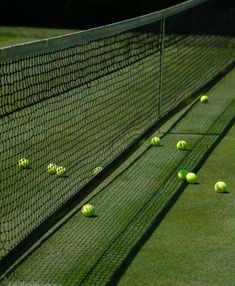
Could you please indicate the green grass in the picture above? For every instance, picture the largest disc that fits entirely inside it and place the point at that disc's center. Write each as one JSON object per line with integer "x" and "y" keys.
{"x": 80, "y": 115}
{"x": 67, "y": 131}
{"x": 18, "y": 35}
{"x": 59, "y": 113}
{"x": 195, "y": 243}
{"x": 89, "y": 252}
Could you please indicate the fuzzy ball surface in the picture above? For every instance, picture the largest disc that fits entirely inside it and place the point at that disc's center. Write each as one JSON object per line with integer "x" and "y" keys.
{"x": 204, "y": 99}
{"x": 97, "y": 170}
{"x": 191, "y": 178}
{"x": 23, "y": 163}
{"x": 221, "y": 187}
{"x": 60, "y": 170}
{"x": 88, "y": 210}
{"x": 155, "y": 141}
{"x": 51, "y": 168}
{"x": 182, "y": 174}
{"x": 181, "y": 145}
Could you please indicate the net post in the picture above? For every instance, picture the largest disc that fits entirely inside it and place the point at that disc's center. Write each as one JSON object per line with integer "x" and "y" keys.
{"x": 162, "y": 37}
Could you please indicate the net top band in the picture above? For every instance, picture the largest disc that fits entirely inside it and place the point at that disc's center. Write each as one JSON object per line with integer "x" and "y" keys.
{"x": 46, "y": 45}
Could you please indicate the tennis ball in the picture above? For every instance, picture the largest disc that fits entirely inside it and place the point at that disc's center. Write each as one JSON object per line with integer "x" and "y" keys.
{"x": 191, "y": 178}
{"x": 23, "y": 163}
{"x": 51, "y": 168}
{"x": 221, "y": 187}
{"x": 88, "y": 210}
{"x": 182, "y": 174}
{"x": 204, "y": 99}
{"x": 181, "y": 145}
{"x": 60, "y": 170}
{"x": 155, "y": 141}
{"x": 97, "y": 170}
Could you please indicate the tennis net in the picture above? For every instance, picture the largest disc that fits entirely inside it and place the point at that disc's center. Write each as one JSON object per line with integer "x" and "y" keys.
{"x": 82, "y": 99}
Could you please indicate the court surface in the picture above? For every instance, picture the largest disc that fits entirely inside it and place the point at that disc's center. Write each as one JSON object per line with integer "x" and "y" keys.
{"x": 133, "y": 201}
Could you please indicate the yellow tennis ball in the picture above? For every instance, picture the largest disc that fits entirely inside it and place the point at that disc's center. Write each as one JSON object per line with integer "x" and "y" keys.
{"x": 97, "y": 170}
{"x": 155, "y": 141}
{"x": 60, "y": 170}
{"x": 181, "y": 145}
{"x": 51, "y": 168}
{"x": 191, "y": 178}
{"x": 182, "y": 174}
{"x": 23, "y": 163}
{"x": 204, "y": 99}
{"x": 88, "y": 210}
{"x": 221, "y": 187}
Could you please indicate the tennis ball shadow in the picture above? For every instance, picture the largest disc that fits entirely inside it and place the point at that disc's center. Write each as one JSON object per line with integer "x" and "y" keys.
{"x": 28, "y": 167}
{"x": 185, "y": 150}
{"x": 63, "y": 176}
{"x": 91, "y": 217}
{"x": 94, "y": 216}
{"x": 192, "y": 184}
{"x": 24, "y": 168}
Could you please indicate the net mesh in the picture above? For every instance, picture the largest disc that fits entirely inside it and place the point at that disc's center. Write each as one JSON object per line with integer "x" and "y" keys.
{"x": 96, "y": 251}
{"x": 82, "y": 105}
{"x": 78, "y": 107}
{"x": 194, "y": 52}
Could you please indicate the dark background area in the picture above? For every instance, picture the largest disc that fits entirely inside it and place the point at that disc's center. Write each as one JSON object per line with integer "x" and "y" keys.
{"x": 75, "y": 13}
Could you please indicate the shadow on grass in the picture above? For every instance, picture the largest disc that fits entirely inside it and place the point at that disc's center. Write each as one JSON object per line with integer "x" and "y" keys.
{"x": 72, "y": 202}
{"x": 63, "y": 177}
{"x": 92, "y": 217}
{"x": 24, "y": 168}
{"x": 143, "y": 239}
{"x": 185, "y": 150}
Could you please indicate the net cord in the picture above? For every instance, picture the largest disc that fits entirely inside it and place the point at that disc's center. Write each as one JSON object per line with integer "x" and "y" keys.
{"x": 36, "y": 47}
